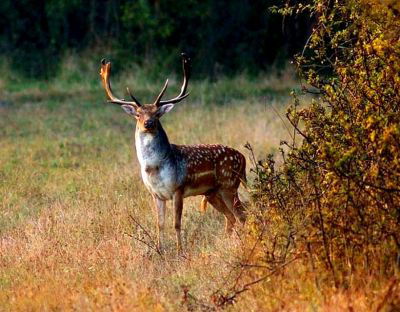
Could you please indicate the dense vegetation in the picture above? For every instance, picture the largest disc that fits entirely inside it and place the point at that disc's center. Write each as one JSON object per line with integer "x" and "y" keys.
{"x": 221, "y": 36}
{"x": 334, "y": 203}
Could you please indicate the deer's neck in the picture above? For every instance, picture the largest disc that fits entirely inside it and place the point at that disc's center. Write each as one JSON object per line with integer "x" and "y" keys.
{"x": 153, "y": 149}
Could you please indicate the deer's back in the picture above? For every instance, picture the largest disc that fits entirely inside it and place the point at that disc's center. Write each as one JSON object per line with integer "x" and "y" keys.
{"x": 209, "y": 167}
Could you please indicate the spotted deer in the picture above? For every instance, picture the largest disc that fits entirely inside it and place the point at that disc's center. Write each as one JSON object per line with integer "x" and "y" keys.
{"x": 174, "y": 172}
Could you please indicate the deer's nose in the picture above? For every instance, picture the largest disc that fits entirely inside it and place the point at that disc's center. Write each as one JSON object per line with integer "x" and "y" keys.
{"x": 149, "y": 124}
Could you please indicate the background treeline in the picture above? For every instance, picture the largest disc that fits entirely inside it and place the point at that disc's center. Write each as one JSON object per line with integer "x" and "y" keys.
{"x": 223, "y": 37}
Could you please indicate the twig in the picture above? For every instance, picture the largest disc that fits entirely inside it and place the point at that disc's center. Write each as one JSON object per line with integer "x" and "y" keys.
{"x": 153, "y": 246}
{"x": 231, "y": 299}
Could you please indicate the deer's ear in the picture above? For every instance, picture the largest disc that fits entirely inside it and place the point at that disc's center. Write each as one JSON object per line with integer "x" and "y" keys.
{"x": 165, "y": 109}
{"x": 130, "y": 110}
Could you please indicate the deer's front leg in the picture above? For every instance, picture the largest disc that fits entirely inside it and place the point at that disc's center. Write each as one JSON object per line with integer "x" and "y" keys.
{"x": 160, "y": 208}
{"x": 178, "y": 207}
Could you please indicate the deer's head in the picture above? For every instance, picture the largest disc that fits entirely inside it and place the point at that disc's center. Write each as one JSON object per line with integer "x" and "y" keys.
{"x": 147, "y": 115}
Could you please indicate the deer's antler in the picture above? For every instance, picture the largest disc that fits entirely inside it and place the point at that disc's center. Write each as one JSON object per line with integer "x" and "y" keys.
{"x": 182, "y": 94}
{"x": 105, "y": 78}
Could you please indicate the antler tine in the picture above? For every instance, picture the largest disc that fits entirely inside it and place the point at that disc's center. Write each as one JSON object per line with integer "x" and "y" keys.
{"x": 105, "y": 78}
{"x": 161, "y": 93}
{"x": 132, "y": 97}
{"x": 186, "y": 76}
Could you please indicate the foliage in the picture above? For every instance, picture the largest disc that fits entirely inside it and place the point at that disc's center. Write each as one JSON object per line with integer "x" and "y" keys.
{"x": 221, "y": 36}
{"x": 336, "y": 197}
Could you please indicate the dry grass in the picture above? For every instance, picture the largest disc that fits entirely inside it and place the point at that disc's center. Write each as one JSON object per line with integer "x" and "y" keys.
{"x": 69, "y": 182}
{"x": 69, "y": 185}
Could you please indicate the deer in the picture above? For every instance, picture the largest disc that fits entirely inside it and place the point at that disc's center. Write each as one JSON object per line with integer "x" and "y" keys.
{"x": 174, "y": 172}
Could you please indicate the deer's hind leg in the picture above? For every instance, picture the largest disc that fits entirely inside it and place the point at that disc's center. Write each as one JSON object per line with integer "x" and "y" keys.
{"x": 232, "y": 201}
{"x": 217, "y": 202}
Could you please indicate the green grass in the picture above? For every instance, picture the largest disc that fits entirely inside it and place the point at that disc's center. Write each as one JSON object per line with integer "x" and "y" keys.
{"x": 70, "y": 182}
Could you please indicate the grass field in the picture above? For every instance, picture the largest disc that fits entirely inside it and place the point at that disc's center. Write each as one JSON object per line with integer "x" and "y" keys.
{"x": 70, "y": 189}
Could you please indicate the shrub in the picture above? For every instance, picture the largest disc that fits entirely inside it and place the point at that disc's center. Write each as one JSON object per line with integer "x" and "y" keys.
{"x": 335, "y": 200}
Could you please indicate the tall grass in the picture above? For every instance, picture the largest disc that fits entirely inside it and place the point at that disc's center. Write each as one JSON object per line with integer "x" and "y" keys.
{"x": 70, "y": 189}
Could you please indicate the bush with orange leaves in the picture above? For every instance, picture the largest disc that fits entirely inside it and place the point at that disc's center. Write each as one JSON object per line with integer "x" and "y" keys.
{"x": 335, "y": 200}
